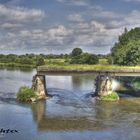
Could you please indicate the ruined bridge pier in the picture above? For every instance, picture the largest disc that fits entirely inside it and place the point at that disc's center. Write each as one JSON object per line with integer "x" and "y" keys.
{"x": 103, "y": 85}
{"x": 103, "y": 81}
{"x": 39, "y": 86}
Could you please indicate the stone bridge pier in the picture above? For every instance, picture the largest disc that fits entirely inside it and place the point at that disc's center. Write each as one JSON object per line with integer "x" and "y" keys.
{"x": 39, "y": 86}
{"x": 103, "y": 85}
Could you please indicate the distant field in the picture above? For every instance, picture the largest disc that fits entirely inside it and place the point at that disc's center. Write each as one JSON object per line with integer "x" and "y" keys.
{"x": 56, "y": 67}
{"x": 62, "y": 64}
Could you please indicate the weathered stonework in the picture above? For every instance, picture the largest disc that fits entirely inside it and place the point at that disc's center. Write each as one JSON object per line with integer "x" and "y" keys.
{"x": 103, "y": 85}
{"x": 39, "y": 86}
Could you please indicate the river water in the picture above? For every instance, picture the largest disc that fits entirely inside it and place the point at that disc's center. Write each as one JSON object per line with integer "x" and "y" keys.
{"x": 72, "y": 113}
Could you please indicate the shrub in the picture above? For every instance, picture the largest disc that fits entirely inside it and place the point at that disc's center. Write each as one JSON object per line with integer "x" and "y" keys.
{"x": 112, "y": 97}
{"x": 76, "y": 52}
{"x": 85, "y": 58}
{"x": 25, "y": 94}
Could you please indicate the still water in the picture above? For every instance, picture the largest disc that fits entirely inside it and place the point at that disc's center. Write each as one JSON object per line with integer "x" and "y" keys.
{"x": 72, "y": 113}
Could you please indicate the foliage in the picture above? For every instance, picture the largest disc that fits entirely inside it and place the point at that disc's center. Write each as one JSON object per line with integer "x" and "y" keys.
{"x": 91, "y": 59}
{"x": 112, "y": 97}
{"x": 40, "y": 61}
{"x": 25, "y": 94}
{"x": 133, "y": 56}
{"x": 130, "y": 83}
{"x": 76, "y": 52}
{"x": 83, "y": 58}
{"x": 103, "y": 61}
{"x": 126, "y": 51}
{"x": 27, "y": 60}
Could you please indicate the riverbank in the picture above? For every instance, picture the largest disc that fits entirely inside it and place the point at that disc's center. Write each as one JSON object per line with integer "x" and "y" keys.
{"x": 60, "y": 65}
{"x": 87, "y": 68}
{"x": 17, "y": 65}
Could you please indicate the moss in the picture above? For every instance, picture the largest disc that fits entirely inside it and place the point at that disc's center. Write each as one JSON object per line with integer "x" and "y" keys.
{"x": 112, "y": 97}
{"x": 26, "y": 94}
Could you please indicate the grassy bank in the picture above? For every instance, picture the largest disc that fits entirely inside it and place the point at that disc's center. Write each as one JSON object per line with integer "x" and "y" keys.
{"x": 64, "y": 65}
{"x": 84, "y": 67}
{"x": 16, "y": 65}
{"x": 5, "y": 65}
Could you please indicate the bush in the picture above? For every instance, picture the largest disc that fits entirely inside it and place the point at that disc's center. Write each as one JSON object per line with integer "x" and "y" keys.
{"x": 112, "y": 97}
{"x": 25, "y": 94}
{"x": 85, "y": 58}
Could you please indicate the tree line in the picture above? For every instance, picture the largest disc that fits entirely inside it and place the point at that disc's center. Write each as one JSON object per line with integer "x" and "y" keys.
{"x": 30, "y": 59}
{"x": 126, "y": 51}
{"x": 75, "y": 57}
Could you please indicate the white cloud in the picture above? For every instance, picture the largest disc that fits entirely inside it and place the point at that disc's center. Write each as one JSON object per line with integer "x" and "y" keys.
{"x": 97, "y": 27}
{"x": 93, "y": 29}
{"x": 94, "y": 34}
{"x": 75, "y": 18}
{"x": 10, "y": 25}
{"x": 130, "y": 21}
{"x": 36, "y": 38}
{"x": 75, "y": 2}
{"x": 20, "y": 14}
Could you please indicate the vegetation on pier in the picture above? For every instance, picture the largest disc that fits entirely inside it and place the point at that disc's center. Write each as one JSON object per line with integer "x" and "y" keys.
{"x": 112, "y": 97}
{"x": 26, "y": 94}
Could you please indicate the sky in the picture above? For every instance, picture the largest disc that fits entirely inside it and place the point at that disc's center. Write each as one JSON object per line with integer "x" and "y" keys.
{"x": 58, "y": 26}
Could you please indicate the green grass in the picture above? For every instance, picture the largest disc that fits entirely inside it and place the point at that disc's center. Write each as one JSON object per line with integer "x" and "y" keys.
{"x": 16, "y": 65}
{"x": 25, "y": 94}
{"x": 68, "y": 67}
{"x": 112, "y": 97}
{"x": 63, "y": 64}
{"x": 103, "y": 61}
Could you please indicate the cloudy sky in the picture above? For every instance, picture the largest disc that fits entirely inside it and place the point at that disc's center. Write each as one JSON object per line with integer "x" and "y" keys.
{"x": 58, "y": 26}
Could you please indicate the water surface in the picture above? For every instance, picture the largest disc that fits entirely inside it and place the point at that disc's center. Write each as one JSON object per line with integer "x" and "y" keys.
{"x": 72, "y": 112}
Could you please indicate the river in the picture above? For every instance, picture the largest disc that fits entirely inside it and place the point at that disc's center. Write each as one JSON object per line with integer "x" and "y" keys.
{"x": 72, "y": 113}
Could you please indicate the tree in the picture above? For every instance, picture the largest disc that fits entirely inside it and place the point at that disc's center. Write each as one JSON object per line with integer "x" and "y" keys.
{"x": 40, "y": 61}
{"x": 92, "y": 59}
{"x": 76, "y": 52}
{"x": 26, "y": 60}
{"x": 133, "y": 56}
{"x": 125, "y": 30}
{"x": 125, "y": 51}
{"x": 85, "y": 58}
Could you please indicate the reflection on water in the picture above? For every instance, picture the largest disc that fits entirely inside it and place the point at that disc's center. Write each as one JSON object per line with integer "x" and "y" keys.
{"x": 98, "y": 120}
{"x": 72, "y": 113}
